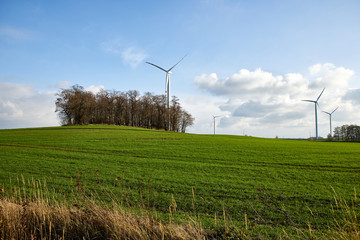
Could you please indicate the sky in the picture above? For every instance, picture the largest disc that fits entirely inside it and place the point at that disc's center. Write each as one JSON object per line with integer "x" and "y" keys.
{"x": 249, "y": 62}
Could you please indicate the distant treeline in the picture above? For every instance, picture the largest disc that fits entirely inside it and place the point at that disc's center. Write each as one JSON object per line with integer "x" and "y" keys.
{"x": 76, "y": 106}
{"x": 348, "y": 133}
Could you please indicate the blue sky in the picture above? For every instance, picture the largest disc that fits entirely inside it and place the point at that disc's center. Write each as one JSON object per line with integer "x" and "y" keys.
{"x": 252, "y": 62}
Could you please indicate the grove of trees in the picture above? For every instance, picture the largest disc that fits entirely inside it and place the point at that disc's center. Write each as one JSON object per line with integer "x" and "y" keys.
{"x": 349, "y": 133}
{"x": 76, "y": 106}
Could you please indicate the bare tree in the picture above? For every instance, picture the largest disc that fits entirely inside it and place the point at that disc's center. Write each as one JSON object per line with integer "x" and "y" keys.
{"x": 133, "y": 106}
{"x": 120, "y": 108}
{"x": 147, "y": 110}
{"x": 175, "y": 115}
{"x": 349, "y": 133}
{"x": 74, "y": 105}
{"x": 186, "y": 121}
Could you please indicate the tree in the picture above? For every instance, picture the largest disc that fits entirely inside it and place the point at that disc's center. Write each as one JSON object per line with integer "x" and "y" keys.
{"x": 349, "y": 133}
{"x": 133, "y": 107}
{"x": 120, "y": 108}
{"x": 74, "y": 106}
{"x": 337, "y": 133}
{"x": 186, "y": 121}
{"x": 146, "y": 110}
{"x": 175, "y": 115}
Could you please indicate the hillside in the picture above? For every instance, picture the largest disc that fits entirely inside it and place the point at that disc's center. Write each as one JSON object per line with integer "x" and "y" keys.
{"x": 274, "y": 183}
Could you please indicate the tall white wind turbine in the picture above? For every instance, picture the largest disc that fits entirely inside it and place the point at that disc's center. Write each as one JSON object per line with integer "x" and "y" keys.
{"x": 167, "y": 83}
{"x": 214, "y": 121}
{"x": 330, "y": 119}
{"x": 316, "y": 104}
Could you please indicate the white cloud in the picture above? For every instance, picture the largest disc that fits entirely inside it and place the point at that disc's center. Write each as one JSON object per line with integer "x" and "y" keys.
{"x": 8, "y": 89}
{"x": 246, "y": 82}
{"x": 22, "y": 106}
{"x": 202, "y": 109}
{"x": 62, "y": 84}
{"x": 328, "y": 75}
{"x": 132, "y": 55}
{"x": 95, "y": 89}
{"x": 266, "y": 104}
{"x": 9, "y": 109}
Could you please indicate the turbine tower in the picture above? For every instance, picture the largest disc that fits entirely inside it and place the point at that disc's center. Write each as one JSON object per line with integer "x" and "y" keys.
{"x": 167, "y": 83}
{"x": 330, "y": 119}
{"x": 214, "y": 121}
{"x": 316, "y": 104}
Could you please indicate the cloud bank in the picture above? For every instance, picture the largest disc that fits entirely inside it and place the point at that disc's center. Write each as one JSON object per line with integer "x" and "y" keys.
{"x": 268, "y": 103}
{"x": 22, "y": 106}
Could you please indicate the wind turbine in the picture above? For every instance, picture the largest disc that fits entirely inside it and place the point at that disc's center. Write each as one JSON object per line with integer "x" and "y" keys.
{"x": 316, "y": 104}
{"x": 330, "y": 119}
{"x": 167, "y": 83}
{"x": 214, "y": 121}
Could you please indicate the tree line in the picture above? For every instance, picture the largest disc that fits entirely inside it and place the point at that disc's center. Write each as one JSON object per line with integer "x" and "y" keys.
{"x": 76, "y": 106}
{"x": 348, "y": 133}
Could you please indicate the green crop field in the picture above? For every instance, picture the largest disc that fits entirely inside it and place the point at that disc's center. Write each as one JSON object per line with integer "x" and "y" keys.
{"x": 275, "y": 184}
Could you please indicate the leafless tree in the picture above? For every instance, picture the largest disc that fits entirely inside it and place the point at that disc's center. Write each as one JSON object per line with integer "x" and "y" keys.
{"x": 349, "y": 133}
{"x": 186, "y": 121}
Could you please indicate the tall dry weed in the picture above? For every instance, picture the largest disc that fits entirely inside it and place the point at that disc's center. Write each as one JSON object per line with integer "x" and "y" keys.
{"x": 34, "y": 215}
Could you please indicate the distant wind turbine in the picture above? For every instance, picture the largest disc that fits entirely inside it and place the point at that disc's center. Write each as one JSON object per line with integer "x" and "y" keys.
{"x": 167, "y": 83}
{"x": 330, "y": 119}
{"x": 214, "y": 121}
{"x": 316, "y": 104}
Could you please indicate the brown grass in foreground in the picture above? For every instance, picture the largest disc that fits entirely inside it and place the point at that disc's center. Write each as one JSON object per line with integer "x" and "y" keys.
{"x": 38, "y": 220}
{"x": 32, "y": 212}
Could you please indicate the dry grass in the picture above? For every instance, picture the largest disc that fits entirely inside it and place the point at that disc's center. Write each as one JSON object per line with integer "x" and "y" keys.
{"x": 345, "y": 224}
{"x": 37, "y": 219}
{"x": 30, "y": 213}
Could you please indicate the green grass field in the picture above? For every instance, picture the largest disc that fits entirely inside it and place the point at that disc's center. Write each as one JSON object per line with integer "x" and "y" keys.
{"x": 277, "y": 184}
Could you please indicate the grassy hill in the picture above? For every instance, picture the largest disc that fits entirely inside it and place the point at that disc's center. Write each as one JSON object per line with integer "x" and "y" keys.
{"x": 274, "y": 184}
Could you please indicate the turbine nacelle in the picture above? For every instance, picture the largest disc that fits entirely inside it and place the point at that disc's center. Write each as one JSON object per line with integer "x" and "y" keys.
{"x": 167, "y": 84}
{"x": 330, "y": 114}
{"x": 315, "y": 101}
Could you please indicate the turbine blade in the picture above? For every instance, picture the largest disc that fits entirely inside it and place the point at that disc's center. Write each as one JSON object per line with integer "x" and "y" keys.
{"x": 309, "y": 101}
{"x": 156, "y": 66}
{"x": 320, "y": 95}
{"x": 326, "y": 112}
{"x": 177, "y": 63}
{"x": 334, "y": 110}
